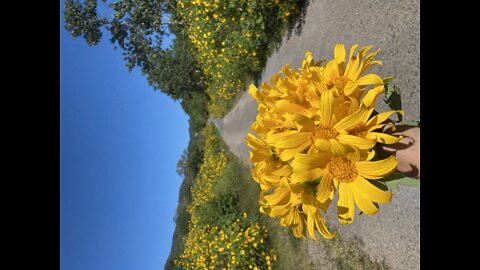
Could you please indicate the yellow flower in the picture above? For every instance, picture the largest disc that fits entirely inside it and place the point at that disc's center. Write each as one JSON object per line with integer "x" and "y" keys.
{"x": 345, "y": 78}
{"x": 296, "y": 210}
{"x": 349, "y": 174}
{"x": 316, "y": 133}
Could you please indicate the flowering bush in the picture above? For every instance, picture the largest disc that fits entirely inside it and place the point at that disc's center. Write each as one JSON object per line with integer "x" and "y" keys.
{"x": 219, "y": 235}
{"x": 230, "y": 40}
{"x": 316, "y": 133}
{"x": 235, "y": 245}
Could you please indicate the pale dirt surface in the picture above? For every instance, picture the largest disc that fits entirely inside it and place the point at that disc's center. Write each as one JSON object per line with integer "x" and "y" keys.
{"x": 393, "y": 235}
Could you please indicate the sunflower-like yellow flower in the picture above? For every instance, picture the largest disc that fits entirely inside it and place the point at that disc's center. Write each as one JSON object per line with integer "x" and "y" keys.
{"x": 297, "y": 210}
{"x": 317, "y": 131}
{"x": 348, "y": 174}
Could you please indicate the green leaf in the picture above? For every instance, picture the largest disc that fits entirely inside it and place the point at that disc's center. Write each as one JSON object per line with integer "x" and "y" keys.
{"x": 388, "y": 80}
{"x": 393, "y": 98}
{"x": 412, "y": 122}
{"x": 396, "y": 179}
{"x": 380, "y": 185}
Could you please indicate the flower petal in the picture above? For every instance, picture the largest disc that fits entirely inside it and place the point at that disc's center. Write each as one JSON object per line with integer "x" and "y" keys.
{"x": 289, "y": 139}
{"x": 352, "y": 50}
{"x": 287, "y": 106}
{"x": 352, "y": 120}
{"x": 306, "y": 176}
{"x": 384, "y": 138}
{"x": 371, "y": 96}
{"x": 371, "y": 154}
{"x": 257, "y": 156}
{"x": 253, "y": 91}
{"x": 280, "y": 194}
{"x": 370, "y": 79}
{"x": 306, "y": 123}
{"x": 311, "y": 225}
{"x": 366, "y": 206}
{"x": 331, "y": 146}
{"x": 283, "y": 171}
{"x": 299, "y": 229}
{"x": 309, "y": 161}
{"x": 361, "y": 143}
{"x": 345, "y": 209}
{"x": 279, "y": 210}
{"x": 326, "y": 107}
{"x": 254, "y": 142}
{"x": 371, "y": 192}
{"x": 337, "y": 149}
{"x": 377, "y": 169}
{"x": 288, "y": 154}
{"x": 322, "y": 228}
{"x": 339, "y": 53}
{"x": 350, "y": 87}
{"x": 380, "y": 118}
{"x": 325, "y": 188}
{"x": 352, "y": 65}
{"x": 322, "y": 145}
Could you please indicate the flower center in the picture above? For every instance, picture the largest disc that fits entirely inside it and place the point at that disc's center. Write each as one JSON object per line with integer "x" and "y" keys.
{"x": 342, "y": 169}
{"x": 359, "y": 131}
{"x": 324, "y": 132}
{"x": 339, "y": 83}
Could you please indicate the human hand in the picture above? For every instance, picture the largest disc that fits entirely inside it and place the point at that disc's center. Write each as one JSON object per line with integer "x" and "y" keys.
{"x": 407, "y": 150}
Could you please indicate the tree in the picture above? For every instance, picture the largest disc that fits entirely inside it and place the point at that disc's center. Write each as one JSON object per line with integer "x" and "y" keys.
{"x": 176, "y": 71}
{"x": 82, "y": 20}
{"x": 136, "y": 27}
{"x": 182, "y": 163}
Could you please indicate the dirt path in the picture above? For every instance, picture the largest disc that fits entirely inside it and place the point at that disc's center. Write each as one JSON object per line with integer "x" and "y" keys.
{"x": 393, "y": 235}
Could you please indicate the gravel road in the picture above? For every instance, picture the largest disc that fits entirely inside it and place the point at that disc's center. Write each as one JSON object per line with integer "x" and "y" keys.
{"x": 393, "y": 235}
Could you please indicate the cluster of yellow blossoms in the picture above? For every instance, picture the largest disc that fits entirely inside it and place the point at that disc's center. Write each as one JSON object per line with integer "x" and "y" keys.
{"x": 316, "y": 133}
{"x": 213, "y": 164}
{"x": 240, "y": 244}
{"x": 229, "y": 41}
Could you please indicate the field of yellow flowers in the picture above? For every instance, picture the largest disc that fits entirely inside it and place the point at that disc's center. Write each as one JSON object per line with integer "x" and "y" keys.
{"x": 220, "y": 234}
{"x": 231, "y": 40}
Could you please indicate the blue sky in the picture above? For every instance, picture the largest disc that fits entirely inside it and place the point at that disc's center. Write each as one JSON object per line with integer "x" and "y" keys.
{"x": 119, "y": 145}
